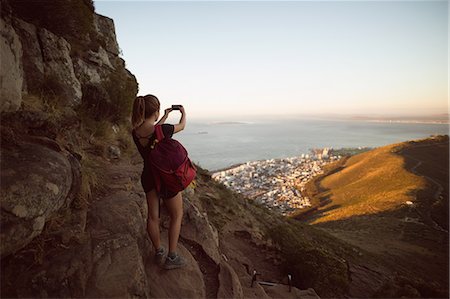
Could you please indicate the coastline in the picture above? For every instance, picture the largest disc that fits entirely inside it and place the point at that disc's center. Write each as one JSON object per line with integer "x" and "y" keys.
{"x": 421, "y": 122}
{"x": 211, "y": 172}
{"x": 277, "y": 183}
{"x": 350, "y": 151}
{"x": 253, "y": 142}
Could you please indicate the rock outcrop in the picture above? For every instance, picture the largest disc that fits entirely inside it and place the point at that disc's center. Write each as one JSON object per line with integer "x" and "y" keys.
{"x": 32, "y": 57}
{"x": 37, "y": 181}
{"x": 58, "y": 65}
{"x": 36, "y": 60}
{"x": 55, "y": 242}
{"x": 104, "y": 26}
{"x": 40, "y": 176}
{"x": 11, "y": 74}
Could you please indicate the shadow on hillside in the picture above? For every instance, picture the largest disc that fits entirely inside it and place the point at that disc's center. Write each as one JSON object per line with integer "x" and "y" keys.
{"x": 412, "y": 239}
{"x": 432, "y": 162}
{"x": 410, "y": 246}
{"x": 315, "y": 214}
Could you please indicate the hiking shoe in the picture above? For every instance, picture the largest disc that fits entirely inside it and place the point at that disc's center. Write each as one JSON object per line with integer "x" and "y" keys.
{"x": 159, "y": 255}
{"x": 176, "y": 262}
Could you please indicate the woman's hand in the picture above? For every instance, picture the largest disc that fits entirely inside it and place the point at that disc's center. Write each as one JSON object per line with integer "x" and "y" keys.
{"x": 180, "y": 126}
{"x": 166, "y": 111}
{"x": 165, "y": 116}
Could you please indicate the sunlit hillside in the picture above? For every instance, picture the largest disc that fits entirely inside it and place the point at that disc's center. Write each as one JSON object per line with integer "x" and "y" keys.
{"x": 393, "y": 203}
{"x": 370, "y": 183}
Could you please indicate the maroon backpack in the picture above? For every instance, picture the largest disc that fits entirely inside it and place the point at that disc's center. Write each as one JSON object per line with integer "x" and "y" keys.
{"x": 170, "y": 164}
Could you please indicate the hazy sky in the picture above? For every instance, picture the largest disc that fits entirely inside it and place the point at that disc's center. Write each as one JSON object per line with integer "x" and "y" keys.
{"x": 258, "y": 57}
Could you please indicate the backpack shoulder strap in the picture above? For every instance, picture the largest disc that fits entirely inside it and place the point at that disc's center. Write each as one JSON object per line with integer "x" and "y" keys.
{"x": 159, "y": 132}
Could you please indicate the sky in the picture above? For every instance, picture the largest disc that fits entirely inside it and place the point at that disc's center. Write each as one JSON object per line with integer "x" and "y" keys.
{"x": 225, "y": 59}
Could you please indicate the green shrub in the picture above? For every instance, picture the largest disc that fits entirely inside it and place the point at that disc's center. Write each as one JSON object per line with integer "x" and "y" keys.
{"x": 70, "y": 19}
{"x": 122, "y": 90}
{"x": 94, "y": 102}
{"x": 112, "y": 100}
{"x": 51, "y": 89}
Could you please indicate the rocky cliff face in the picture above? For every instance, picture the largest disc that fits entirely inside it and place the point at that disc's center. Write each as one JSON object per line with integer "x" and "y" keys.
{"x": 73, "y": 213}
{"x": 78, "y": 66}
{"x": 41, "y": 64}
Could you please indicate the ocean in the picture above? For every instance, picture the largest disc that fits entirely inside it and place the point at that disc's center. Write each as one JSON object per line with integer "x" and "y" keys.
{"x": 217, "y": 145}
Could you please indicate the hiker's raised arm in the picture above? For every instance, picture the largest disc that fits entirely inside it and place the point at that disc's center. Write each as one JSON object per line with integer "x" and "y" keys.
{"x": 166, "y": 114}
{"x": 180, "y": 126}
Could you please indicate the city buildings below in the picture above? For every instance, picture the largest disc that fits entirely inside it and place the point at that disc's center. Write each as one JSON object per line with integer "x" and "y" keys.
{"x": 277, "y": 183}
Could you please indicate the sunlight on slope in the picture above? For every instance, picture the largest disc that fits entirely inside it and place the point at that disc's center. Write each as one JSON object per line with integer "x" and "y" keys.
{"x": 370, "y": 183}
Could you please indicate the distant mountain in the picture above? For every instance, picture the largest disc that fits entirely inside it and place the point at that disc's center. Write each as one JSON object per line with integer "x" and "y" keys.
{"x": 437, "y": 118}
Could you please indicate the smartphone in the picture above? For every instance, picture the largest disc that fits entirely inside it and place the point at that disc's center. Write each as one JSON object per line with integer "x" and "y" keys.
{"x": 176, "y": 107}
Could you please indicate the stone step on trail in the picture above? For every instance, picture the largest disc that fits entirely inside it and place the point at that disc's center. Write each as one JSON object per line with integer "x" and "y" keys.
{"x": 185, "y": 282}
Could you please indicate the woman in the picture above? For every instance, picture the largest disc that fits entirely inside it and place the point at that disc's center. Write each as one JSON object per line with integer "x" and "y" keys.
{"x": 144, "y": 115}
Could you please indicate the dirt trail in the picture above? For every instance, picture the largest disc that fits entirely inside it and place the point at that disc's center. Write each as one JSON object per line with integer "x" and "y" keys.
{"x": 125, "y": 176}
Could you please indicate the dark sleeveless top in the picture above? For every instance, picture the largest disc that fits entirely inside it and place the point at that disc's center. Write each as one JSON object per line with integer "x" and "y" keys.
{"x": 146, "y": 176}
{"x": 143, "y": 150}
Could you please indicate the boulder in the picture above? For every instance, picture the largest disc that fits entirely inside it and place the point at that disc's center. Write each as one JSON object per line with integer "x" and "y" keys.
{"x": 11, "y": 72}
{"x": 107, "y": 262}
{"x": 37, "y": 181}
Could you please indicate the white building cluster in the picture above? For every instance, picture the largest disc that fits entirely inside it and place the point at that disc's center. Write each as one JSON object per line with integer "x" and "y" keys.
{"x": 277, "y": 183}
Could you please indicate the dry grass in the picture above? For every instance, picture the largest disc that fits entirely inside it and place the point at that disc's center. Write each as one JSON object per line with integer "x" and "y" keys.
{"x": 32, "y": 102}
{"x": 367, "y": 209}
{"x": 100, "y": 134}
{"x": 96, "y": 129}
{"x": 370, "y": 183}
{"x": 91, "y": 179}
{"x": 125, "y": 141}
{"x": 90, "y": 141}
{"x": 50, "y": 104}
